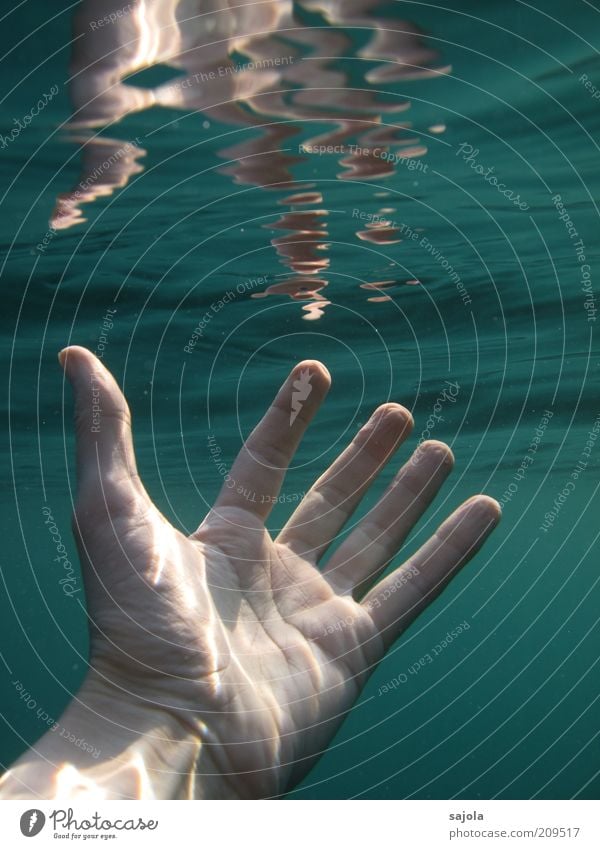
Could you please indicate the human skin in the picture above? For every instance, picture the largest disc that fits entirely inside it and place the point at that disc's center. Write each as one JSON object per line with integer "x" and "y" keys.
{"x": 222, "y": 663}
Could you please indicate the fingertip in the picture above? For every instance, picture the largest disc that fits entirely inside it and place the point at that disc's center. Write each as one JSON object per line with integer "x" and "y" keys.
{"x": 312, "y": 379}
{"x": 315, "y": 368}
{"x": 388, "y": 426}
{"x": 437, "y": 449}
{"x": 484, "y": 507}
{"x": 410, "y": 422}
{"x": 74, "y": 355}
{"x": 395, "y": 415}
{"x": 492, "y": 506}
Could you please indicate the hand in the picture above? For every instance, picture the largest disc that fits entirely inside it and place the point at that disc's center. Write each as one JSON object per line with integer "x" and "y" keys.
{"x": 248, "y": 642}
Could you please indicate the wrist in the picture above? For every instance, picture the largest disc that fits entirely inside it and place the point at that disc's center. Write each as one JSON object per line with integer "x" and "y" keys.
{"x": 147, "y": 750}
{"x": 115, "y": 747}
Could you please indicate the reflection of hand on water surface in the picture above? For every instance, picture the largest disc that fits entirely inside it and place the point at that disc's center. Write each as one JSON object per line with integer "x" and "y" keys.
{"x": 292, "y": 78}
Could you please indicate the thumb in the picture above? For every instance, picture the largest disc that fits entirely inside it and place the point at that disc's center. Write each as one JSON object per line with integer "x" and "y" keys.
{"x": 105, "y": 456}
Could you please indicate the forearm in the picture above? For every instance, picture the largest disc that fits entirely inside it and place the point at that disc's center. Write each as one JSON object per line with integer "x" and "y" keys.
{"x": 136, "y": 751}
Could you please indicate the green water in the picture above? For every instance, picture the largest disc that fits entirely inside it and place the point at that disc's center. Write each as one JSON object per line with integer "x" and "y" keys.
{"x": 509, "y": 708}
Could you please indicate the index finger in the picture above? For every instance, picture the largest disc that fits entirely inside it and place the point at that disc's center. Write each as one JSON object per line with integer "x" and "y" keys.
{"x": 257, "y": 474}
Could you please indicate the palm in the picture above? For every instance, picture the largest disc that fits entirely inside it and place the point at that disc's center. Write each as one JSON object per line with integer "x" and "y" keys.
{"x": 247, "y": 637}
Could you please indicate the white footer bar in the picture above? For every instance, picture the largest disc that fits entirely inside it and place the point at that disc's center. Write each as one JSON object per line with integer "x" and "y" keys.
{"x": 303, "y": 824}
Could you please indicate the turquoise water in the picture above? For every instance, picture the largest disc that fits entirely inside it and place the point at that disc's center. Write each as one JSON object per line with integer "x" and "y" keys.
{"x": 186, "y": 210}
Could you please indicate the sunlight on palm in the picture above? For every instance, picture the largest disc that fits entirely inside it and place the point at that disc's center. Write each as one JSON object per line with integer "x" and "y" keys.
{"x": 258, "y": 645}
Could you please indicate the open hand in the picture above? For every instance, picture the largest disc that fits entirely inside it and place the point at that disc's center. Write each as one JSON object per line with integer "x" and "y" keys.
{"x": 251, "y": 643}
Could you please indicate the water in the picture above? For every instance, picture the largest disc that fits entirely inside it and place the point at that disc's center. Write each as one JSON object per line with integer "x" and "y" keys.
{"x": 186, "y": 214}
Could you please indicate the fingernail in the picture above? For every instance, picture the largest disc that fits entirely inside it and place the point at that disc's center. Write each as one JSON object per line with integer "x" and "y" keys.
{"x": 62, "y": 355}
